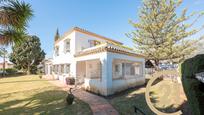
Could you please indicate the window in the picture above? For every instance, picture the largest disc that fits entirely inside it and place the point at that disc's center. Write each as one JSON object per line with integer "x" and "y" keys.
{"x": 67, "y": 46}
{"x": 132, "y": 70}
{"x": 62, "y": 69}
{"x": 58, "y": 69}
{"x": 117, "y": 68}
{"x": 67, "y": 68}
{"x": 50, "y": 69}
{"x": 127, "y": 68}
{"x": 94, "y": 43}
{"x": 54, "y": 69}
{"x": 57, "y": 51}
{"x": 137, "y": 69}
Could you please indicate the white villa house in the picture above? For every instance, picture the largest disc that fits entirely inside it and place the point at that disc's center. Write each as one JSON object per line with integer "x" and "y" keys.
{"x": 100, "y": 64}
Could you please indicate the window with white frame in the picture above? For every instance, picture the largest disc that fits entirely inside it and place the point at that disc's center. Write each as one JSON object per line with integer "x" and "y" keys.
{"x": 58, "y": 69}
{"x": 137, "y": 69}
{"x": 62, "y": 69}
{"x": 67, "y": 46}
{"x": 94, "y": 43}
{"x": 57, "y": 50}
{"x": 67, "y": 68}
{"x": 118, "y": 72}
{"x": 127, "y": 68}
{"x": 132, "y": 68}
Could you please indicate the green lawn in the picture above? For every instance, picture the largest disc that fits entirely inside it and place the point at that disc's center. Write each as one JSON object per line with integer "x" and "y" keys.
{"x": 31, "y": 95}
{"x": 166, "y": 96}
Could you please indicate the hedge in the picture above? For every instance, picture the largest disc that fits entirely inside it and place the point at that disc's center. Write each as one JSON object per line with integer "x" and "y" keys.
{"x": 191, "y": 85}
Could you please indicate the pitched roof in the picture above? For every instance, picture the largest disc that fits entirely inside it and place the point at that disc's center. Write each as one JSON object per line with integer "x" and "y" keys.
{"x": 108, "y": 48}
{"x": 88, "y": 33}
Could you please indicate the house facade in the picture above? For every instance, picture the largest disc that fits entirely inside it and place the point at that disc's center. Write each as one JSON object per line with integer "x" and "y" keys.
{"x": 100, "y": 64}
{"x": 7, "y": 65}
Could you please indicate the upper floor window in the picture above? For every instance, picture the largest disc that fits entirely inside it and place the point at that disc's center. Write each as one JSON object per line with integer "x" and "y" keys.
{"x": 67, "y": 46}
{"x": 94, "y": 43}
{"x": 57, "y": 50}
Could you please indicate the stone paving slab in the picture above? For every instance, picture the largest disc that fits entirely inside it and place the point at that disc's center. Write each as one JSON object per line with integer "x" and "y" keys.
{"x": 98, "y": 105}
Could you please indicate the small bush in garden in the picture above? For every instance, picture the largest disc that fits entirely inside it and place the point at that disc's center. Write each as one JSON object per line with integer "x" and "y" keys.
{"x": 70, "y": 97}
{"x": 40, "y": 76}
{"x": 11, "y": 70}
{"x": 70, "y": 81}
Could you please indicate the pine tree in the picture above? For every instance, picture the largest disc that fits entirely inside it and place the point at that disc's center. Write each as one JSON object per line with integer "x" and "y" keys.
{"x": 161, "y": 34}
{"x": 57, "y": 36}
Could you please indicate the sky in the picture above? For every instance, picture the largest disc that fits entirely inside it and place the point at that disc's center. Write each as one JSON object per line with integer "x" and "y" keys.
{"x": 105, "y": 17}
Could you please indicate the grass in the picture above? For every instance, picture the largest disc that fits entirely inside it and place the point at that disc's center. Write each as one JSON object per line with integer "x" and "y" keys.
{"x": 167, "y": 96}
{"x": 32, "y": 95}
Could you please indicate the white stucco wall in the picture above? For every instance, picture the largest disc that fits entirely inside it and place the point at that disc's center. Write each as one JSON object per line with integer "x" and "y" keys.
{"x": 82, "y": 41}
{"x": 106, "y": 85}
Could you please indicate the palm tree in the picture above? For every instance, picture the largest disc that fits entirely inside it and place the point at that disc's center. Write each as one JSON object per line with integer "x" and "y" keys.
{"x": 14, "y": 16}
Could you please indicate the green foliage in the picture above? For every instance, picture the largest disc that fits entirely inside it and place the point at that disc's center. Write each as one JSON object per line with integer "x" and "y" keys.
{"x": 14, "y": 16}
{"x": 70, "y": 81}
{"x": 28, "y": 55}
{"x": 161, "y": 34}
{"x": 191, "y": 85}
{"x": 70, "y": 97}
{"x": 11, "y": 70}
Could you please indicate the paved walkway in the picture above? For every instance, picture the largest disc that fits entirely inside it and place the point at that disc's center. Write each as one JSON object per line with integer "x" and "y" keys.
{"x": 98, "y": 105}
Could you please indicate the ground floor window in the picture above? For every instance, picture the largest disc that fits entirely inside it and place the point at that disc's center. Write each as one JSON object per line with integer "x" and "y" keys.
{"x": 132, "y": 69}
{"x": 124, "y": 68}
{"x": 50, "y": 69}
{"x": 61, "y": 69}
{"x": 67, "y": 68}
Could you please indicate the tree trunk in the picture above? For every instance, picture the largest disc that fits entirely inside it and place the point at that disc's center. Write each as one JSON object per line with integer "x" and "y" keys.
{"x": 28, "y": 70}
{"x": 156, "y": 65}
{"x": 4, "y": 65}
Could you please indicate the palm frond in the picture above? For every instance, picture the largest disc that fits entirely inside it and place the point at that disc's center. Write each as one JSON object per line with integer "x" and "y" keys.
{"x": 15, "y": 13}
{"x": 10, "y": 36}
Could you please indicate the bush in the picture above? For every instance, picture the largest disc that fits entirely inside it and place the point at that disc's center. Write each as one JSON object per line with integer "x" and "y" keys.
{"x": 70, "y": 97}
{"x": 11, "y": 70}
{"x": 70, "y": 81}
{"x": 191, "y": 85}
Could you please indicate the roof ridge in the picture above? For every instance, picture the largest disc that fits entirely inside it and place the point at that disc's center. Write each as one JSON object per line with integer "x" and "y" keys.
{"x": 87, "y": 32}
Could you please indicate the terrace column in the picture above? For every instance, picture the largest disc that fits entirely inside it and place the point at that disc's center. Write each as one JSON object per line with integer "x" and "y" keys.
{"x": 106, "y": 74}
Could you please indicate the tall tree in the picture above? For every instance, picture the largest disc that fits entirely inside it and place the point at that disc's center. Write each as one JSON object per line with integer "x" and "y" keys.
{"x": 27, "y": 55}
{"x": 57, "y": 36}
{"x": 4, "y": 55}
{"x": 14, "y": 16}
{"x": 161, "y": 34}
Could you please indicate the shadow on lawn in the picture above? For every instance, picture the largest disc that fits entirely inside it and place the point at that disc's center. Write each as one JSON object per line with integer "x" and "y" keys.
{"x": 47, "y": 102}
{"x": 184, "y": 107}
{"x": 27, "y": 81}
{"x": 19, "y": 74}
{"x": 126, "y": 101}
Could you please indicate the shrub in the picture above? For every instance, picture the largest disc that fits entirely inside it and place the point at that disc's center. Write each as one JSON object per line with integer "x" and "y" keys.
{"x": 191, "y": 85}
{"x": 70, "y": 97}
{"x": 11, "y": 70}
{"x": 70, "y": 81}
{"x": 40, "y": 76}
